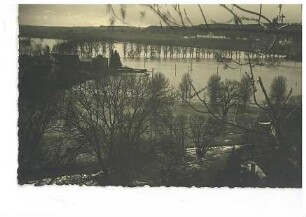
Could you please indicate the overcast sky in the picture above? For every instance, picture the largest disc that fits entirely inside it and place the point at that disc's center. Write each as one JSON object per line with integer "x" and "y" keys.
{"x": 96, "y": 15}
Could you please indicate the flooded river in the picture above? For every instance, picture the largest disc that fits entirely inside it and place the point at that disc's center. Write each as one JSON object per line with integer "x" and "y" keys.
{"x": 200, "y": 69}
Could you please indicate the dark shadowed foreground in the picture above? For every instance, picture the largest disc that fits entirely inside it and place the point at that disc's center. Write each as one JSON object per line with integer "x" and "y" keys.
{"x": 102, "y": 125}
{"x": 86, "y": 118}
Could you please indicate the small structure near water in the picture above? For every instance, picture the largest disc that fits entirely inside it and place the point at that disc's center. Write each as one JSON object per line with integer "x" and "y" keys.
{"x": 130, "y": 70}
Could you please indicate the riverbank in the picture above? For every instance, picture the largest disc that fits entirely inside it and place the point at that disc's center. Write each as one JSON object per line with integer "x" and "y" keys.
{"x": 241, "y": 39}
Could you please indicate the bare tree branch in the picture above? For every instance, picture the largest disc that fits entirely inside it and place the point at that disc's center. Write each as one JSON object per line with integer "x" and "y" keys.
{"x": 220, "y": 119}
{"x": 187, "y": 17}
{"x": 237, "y": 18}
{"x": 203, "y": 15}
{"x": 122, "y": 20}
{"x": 257, "y": 14}
{"x": 179, "y": 12}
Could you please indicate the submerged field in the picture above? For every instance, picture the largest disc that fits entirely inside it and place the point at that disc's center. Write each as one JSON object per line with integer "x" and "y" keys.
{"x": 185, "y": 122}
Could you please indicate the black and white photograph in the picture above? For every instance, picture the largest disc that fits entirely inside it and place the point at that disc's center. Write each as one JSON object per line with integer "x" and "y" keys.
{"x": 151, "y": 108}
{"x": 160, "y": 95}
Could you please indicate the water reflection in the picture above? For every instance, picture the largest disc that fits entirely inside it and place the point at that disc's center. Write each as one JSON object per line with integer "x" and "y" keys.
{"x": 174, "y": 61}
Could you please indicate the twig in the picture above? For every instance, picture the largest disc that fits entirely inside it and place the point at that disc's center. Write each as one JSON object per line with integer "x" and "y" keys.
{"x": 237, "y": 18}
{"x": 189, "y": 21}
{"x": 177, "y": 8}
{"x": 220, "y": 119}
{"x": 117, "y": 17}
{"x": 257, "y": 14}
{"x": 203, "y": 15}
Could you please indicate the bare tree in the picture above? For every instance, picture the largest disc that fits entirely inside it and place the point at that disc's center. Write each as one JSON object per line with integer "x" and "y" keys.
{"x": 203, "y": 132}
{"x": 161, "y": 100}
{"x": 179, "y": 135}
{"x": 276, "y": 115}
{"x": 229, "y": 96}
{"x": 38, "y": 114}
{"x": 94, "y": 114}
{"x": 278, "y": 90}
{"x": 112, "y": 117}
{"x": 245, "y": 91}
{"x": 223, "y": 95}
{"x": 213, "y": 90}
{"x": 184, "y": 87}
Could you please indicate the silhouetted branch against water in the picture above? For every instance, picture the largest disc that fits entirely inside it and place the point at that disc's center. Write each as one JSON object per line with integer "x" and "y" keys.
{"x": 252, "y": 80}
{"x": 192, "y": 106}
{"x": 220, "y": 119}
{"x": 270, "y": 110}
{"x": 292, "y": 112}
{"x": 267, "y": 98}
{"x": 271, "y": 45}
{"x": 273, "y": 112}
{"x": 284, "y": 103}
